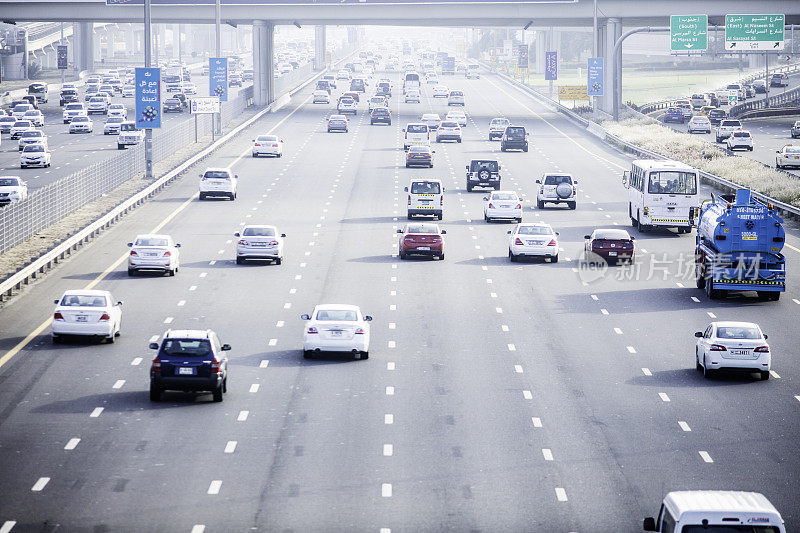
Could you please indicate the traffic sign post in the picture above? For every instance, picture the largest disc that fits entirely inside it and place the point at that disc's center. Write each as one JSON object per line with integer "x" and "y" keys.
{"x": 744, "y": 33}
{"x": 203, "y": 105}
{"x": 61, "y": 54}
{"x": 594, "y": 77}
{"x": 688, "y": 32}
{"x": 148, "y": 98}
{"x": 551, "y": 68}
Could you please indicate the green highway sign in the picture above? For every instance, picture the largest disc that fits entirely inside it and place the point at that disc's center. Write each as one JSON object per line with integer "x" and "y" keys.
{"x": 754, "y": 32}
{"x": 688, "y": 32}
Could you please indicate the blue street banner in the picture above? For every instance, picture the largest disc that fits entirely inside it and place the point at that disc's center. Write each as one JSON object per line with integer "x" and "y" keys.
{"x": 218, "y": 77}
{"x": 594, "y": 77}
{"x": 551, "y": 66}
{"x": 148, "y": 97}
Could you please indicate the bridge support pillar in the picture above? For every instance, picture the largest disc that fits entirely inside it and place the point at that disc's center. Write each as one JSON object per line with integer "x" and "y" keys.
{"x": 84, "y": 46}
{"x": 263, "y": 62}
{"x": 319, "y": 47}
{"x": 610, "y": 32}
{"x": 540, "y": 47}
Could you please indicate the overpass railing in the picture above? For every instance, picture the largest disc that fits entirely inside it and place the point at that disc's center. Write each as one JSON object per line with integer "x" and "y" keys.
{"x": 776, "y": 102}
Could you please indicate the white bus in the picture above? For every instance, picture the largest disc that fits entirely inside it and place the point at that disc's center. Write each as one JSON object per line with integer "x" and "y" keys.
{"x": 662, "y": 194}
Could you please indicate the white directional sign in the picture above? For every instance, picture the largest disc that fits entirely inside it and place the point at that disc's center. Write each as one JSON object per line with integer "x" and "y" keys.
{"x": 204, "y": 105}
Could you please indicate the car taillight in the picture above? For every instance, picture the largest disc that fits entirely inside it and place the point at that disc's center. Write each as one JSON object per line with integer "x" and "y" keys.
{"x": 273, "y": 243}
{"x": 214, "y": 366}
{"x": 491, "y": 206}
{"x": 242, "y": 242}
{"x": 167, "y": 253}
{"x": 156, "y": 366}
{"x": 258, "y": 144}
{"x": 717, "y": 348}
{"x": 441, "y": 200}
{"x": 274, "y": 145}
{"x": 312, "y": 330}
{"x": 105, "y": 316}
{"x": 574, "y": 190}
{"x": 762, "y": 349}
{"x": 518, "y": 242}
{"x": 409, "y": 199}
{"x": 552, "y": 242}
{"x": 359, "y": 331}
{"x": 519, "y": 206}
{"x": 541, "y": 190}
{"x": 58, "y": 316}
{"x": 133, "y": 252}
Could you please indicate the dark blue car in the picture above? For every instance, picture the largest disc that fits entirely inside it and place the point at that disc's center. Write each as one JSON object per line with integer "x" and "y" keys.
{"x": 674, "y": 114}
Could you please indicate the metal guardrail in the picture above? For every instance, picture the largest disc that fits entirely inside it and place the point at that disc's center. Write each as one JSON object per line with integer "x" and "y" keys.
{"x": 770, "y": 112}
{"x": 602, "y": 133}
{"x": 781, "y": 99}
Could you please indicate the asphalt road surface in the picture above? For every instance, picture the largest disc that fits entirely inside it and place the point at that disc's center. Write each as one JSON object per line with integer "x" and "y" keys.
{"x": 498, "y": 396}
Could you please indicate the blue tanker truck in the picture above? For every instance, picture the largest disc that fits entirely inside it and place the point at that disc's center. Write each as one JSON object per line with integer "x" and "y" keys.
{"x": 739, "y": 240}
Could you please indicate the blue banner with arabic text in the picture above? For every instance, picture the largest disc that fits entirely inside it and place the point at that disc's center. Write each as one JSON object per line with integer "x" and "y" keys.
{"x": 148, "y": 97}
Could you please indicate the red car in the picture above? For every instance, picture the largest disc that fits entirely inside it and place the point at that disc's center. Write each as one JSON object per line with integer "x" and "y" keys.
{"x": 351, "y": 94}
{"x": 611, "y": 245}
{"x": 422, "y": 239}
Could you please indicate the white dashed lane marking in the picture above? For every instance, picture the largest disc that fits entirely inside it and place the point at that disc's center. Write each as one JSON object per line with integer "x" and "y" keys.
{"x": 72, "y": 444}
{"x": 388, "y": 419}
{"x": 96, "y": 412}
{"x": 706, "y": 457}
{"x": 684, "y": 426}
{"x": 214, "y": 487}
{"x": 527, "y": 395}
{"x": 646, "y": 372}
{"x": 561, "y": 494}
{"x": 386, "y": 490}
{"x": 40, "y": 484}
{"x": 230, "y": 447}
{"x": 663, "y": 396}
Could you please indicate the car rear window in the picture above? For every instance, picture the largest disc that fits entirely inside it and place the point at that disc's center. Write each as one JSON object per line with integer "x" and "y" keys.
{"x": 535, "y": 230}
{"x": 738, "y": 332}
{"x": 346, "y": 101}
{"x": 426, "y": 187}
{"x": 217, "y": 174}
{"x": 336, "y": 315}
{"x": 81, "y": 300}
{"x": 417, "y": 128}
{"x": 267, "y": 138}
{"x": 612, "y": 234}
{"x": 791, "y": 150}
{"x": 504, "y": 196}
{"x": 9, "y": 182}
{"x": 490, "y": 165}
{"x": 515, "y": 133}
{"x": 741, "y": 134}
{"x": 258, "y": 232}
{"x": 151, "y": 241}
{"x": 449, "y": 125}
{"x": 22, "y": 124}
{"x": 186, "y": 347}
{"x": 556, "y": 180}
{"x": 456, "y": 93}
{"x": 419, "y": 150}
{"x": 426, "y": 229}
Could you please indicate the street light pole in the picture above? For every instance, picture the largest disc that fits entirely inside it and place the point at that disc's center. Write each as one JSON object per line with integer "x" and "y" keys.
{"x": 64, "y": 70}
{"x": 148, "y": 62}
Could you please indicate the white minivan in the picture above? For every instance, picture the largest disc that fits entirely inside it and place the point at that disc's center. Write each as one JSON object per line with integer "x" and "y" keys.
{"x": 715, "y": 511}
{"x": 425, "y": 198}
{"x": 415, "y": 134}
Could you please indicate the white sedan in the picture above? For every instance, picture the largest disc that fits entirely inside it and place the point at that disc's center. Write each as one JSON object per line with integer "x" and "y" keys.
{"x": 336, "y": 328}
{"x": 34, "y": 155}
{"x": 259, "y": 242}
{"x": 502, "y": 204}
{"x": 440, "y": 91}
{"x": 87, "y": 313}
{"x": 117, "y": 110}
{"x": 788, "y": 156}
{"x": 154, "y": 252}
{"x": 738, "y": 346}
{"x": 188, "y": 87}
{"x": 128, "y": 91}
{"x": 321, "y": 97}
{"x": 81, "y": 124}
{"x": 457, "y": 116}
{"x": 267, "y": 145}
{"x": 535, "y": 239}
{"x": 35, "y": 116}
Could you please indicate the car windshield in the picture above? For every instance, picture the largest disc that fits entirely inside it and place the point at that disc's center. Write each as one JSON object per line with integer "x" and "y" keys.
{"x": 557, "y": 180}
{"x": 672, "y": 182}
{"x": 80, "y": 119}
{"x": 738, "y": 332}
{"x": 347, "y": 101}
{"x": 217, "y": 174}
{"x": 33, "y": 113}
{"x": 258, "y": 232}
{"x": 535, "y": 230}
{"x": 22, "y": 124}
{"x": 21, "y": 108}
{"x": 33, "y": 148}
{"x": 791, "y": 150}
{"x": 504, "y": 196}
{"x": 425, "y": 187}
{"x": 612, "y": 234}
{"x": 96, "y": 99}
{"x": 186, "y": 347}
{"x": 417, "y": 128}
{"x": 34, "y": 133}
{"x": 337, "y": 315}
{"x": 426, "y": 229}
{"x": 83, "y": 300}
{"x": 490, "y": 165}
{"x": 9, "y": 182}
{"x": 151, "y": 241}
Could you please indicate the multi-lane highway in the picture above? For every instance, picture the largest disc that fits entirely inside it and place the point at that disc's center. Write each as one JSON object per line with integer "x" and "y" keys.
{"x": 498, "y": 396}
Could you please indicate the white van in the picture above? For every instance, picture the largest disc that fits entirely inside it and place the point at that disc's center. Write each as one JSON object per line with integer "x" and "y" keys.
{"x": 425, "y": 198}
{"x": 715, "y": 511}
{"x": 416, "y": 133}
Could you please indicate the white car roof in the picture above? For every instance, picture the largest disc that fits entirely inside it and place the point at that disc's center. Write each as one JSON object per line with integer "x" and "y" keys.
{"x": 152, "y": 236}
{"x": 536, "y": 224}
{"x": 331, "y": 307}
{"x": 736, "y": 325}
{"x": 680, "y": 502}
{"x": 430, "y": 116}
{"x": 219, "y": 169}
{"x": 505, "y": 192}
{"x": 93, "y": 292}
{"x": 260, "y": 226}
{"x": 187, "y": 333}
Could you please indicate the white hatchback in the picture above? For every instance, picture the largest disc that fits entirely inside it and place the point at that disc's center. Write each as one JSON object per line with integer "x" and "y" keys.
{"x": 86, "y": 313}
{"x": 738, "y": 346}
{"x": 502, "y": 204}
{"x": 154, "y": 252}
{"x": 259, "y": 242}
{"x": 535, "y": 239}
{"x": 267, "y": 145}
{"x": 218, "y": 182}
{"x": 336, "y": 328}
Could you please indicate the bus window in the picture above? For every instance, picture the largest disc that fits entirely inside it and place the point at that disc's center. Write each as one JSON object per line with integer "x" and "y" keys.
{"x": 672, "y": 182}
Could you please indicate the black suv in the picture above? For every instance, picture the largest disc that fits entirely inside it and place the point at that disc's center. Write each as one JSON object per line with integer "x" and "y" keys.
{"x": 189, "y": 360}
{"x": 514, "y": 138}
{"x": 483, "y": 173}
{"x": 384, "y": 89}
{"x": 380, "y": 115}
{"x": 68, "y": 96}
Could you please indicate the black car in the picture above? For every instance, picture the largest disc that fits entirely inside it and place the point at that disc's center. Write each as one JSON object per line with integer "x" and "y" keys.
{"x": 173, "y": 105}
{"x": 68, "y": 96}
{"x": 483, "y": 173}
{"x": 323, "y": 85}
{"x": 514, "y": 138}
{"x": 189, "y": 361}
{"x": 357, "y": 85}
{"x": 380, "y": 115}
{"x": 715, "y": 116}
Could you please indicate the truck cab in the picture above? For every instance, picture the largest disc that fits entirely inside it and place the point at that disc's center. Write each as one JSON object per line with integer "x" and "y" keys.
{"x": 715, "y": 511}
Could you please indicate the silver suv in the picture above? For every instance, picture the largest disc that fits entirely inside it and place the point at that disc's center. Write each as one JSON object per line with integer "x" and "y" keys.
{"x": 556, "y": 189}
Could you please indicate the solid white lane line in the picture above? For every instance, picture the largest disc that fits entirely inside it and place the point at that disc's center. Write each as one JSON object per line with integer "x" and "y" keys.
{"x": 631, "y": 349}
{"x": 40, "y": 484}
{"x": 512, "y": 348}
{"x": 386, "y": 490}
{"x": 527, "y": 395}
{"x": 537, "y": 422}
{"x": 72, "y": 443}
{"x": 388, "y": 419}
{"x": 136, "y": 361}
{"x": 706, "y": 457}
{"x": 618, "y": 331}
{"x": 389, "y": 391}
{"x": 684, "y": 426}
{"x": 663, "y": 396}
{"x": 388, "y": 450}
{"x": 168, "y": 320}
{"x": 604, "y": 311}
{"x": 548, "y": 454}
{"x": 198, "y": 528}
{"x": 154, "y": 338}
{"x": 518, "y": 369}
{"x": 230, "y": 447}
{"x": 118, "y": 384}
{"x": 242, "y": 416}
{"x": 96, "y": 412}
{"x": 273, "y": 342}
{"x": 646, "y": 372}
{"x": 254, "y": 387}
{"x": 214, "y": 487}
{"x": 390, "y": 365}
{"x": 561, "y": 494}
{"x": 7, "y": 526}
{"x": 264, "y": 363}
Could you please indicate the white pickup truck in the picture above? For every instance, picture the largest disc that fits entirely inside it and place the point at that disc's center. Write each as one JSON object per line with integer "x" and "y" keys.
{"x": 726, "y": 128}
{"x": 129, "y": 135}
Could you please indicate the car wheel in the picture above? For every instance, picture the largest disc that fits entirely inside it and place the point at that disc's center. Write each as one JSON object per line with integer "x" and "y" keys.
{"x": 56, "y": 339}
{"x": 278, "y": 261}
{"x": 110, "y": 339}
{"x": 525, "y": 149}
{"x": 707, "y": 372}
{"x": 554, "y": 259}
{"x": 519, "y": 220}
{"x": 641, "y": 227}
{"x": 402, "y": 256}
{"x": 218, "y": 394}
{"x": 155, "y": 393}
{"x": 364, "y": 355}
{"x": 131, "y": 272}
{"x": 502, "y": 148}
{"x": 469, "y": 188}
{"x": 306, "y": 354}
{"x": 764, "y": 375}
{"x": 202, "y": 196}
{"x": 239, "y": 261}
{"x": 407, "y": 165}
{"x": 571, "y": 205}
{"x": 441, "y": 256}
{"x": 697, "y": 364}
{"x": 511, "y": 256}
{"x": 171, "y": 271}
{"x": 539, "y": 204}
{"x": 233, "y": 196}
